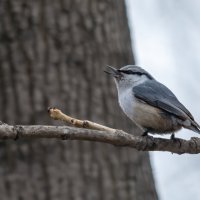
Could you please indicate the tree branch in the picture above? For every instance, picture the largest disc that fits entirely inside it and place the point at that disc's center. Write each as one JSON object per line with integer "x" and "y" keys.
{"x": 98, "y": 133}
{"x": 118, "y": 138}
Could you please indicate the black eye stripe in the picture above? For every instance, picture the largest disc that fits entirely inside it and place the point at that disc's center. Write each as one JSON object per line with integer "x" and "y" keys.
{"x": 137, "y": 73}
{"x": 130, "y": 72}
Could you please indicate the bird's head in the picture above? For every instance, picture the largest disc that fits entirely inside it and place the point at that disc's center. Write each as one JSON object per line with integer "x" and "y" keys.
{"x": 128, "y": 76}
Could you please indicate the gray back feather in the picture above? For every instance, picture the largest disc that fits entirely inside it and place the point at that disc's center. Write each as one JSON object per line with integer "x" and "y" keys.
{"x": 158, "y": 95}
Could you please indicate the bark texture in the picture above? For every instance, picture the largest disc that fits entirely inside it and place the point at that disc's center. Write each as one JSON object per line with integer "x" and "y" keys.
{"x": 116, "y": 137}
{"x": 52, "y": 53}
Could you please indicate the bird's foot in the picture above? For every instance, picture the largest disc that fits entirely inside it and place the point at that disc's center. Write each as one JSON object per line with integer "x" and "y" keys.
{"x": 174, "y": 139}
{"x": 149, "y": 139}
{"x": 145, "y": 133}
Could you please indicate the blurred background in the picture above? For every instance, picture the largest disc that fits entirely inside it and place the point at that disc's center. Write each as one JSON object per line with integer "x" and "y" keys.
{"x": 53, "y": 53}
{"x": 166, "y": 40}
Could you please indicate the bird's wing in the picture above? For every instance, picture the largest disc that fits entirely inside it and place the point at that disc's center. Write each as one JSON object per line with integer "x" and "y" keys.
{"x": 158, "y": 95}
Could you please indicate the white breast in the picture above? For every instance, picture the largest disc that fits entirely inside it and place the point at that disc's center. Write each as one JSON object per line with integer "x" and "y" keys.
{"x": 127, "y": 102}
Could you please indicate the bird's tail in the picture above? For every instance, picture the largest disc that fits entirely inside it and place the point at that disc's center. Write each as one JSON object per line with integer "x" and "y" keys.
{"x": 194, "y": 127}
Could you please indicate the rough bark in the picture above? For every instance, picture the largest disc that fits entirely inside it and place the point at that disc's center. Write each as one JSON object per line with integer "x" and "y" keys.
{"x": 53, "y": 52}
{"x": 117, "y": 138}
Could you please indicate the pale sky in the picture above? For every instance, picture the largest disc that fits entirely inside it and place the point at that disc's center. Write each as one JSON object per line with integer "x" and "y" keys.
{"x": 166, "y": 42}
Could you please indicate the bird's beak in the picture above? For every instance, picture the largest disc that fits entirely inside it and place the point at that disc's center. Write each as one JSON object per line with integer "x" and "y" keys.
{"x": 112, "y": 71}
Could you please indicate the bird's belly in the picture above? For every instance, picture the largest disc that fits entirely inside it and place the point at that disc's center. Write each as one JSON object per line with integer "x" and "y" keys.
{"x": 148, "y": 117}
{"x": 154, "y": 119}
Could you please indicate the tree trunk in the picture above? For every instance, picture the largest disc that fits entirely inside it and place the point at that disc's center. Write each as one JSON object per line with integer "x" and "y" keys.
{"x": 52, "y": 53}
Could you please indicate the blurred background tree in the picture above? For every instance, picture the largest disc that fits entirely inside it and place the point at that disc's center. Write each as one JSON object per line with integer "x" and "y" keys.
{"x": 53, "y": 54}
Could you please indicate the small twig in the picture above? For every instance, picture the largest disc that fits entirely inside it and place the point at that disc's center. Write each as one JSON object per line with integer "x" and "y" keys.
{"x": 57, "y": 114}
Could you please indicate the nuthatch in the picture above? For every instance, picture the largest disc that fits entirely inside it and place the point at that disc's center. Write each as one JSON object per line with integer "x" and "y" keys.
{"x": 150, "y": 104}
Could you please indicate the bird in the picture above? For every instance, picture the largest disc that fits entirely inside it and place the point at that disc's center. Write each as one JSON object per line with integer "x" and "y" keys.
{"x": 150, "y": 104}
